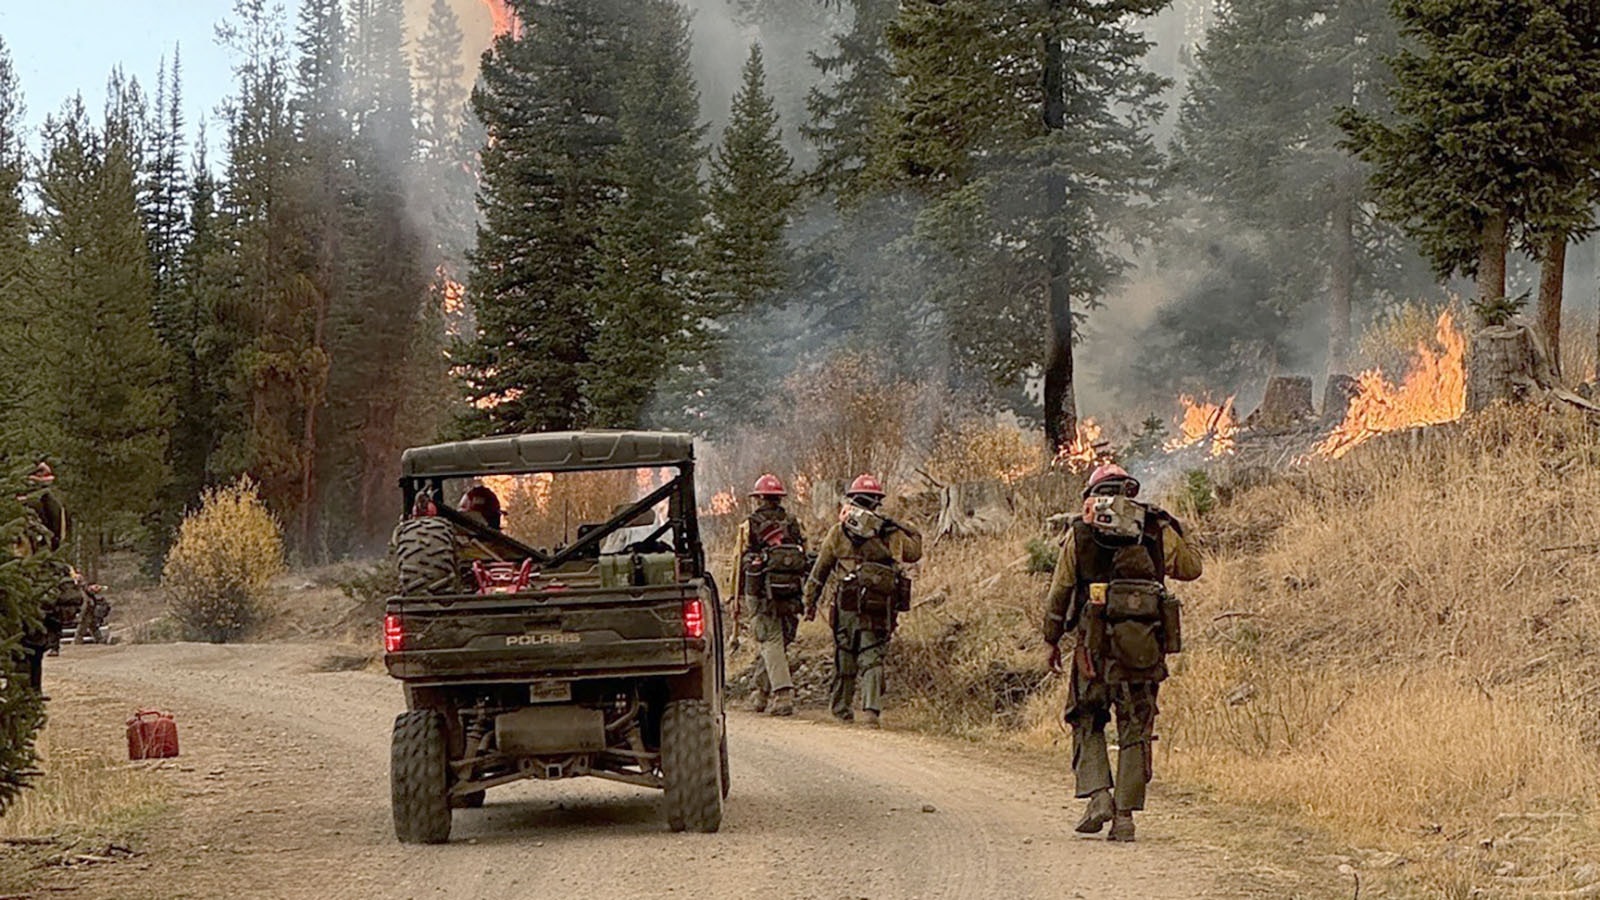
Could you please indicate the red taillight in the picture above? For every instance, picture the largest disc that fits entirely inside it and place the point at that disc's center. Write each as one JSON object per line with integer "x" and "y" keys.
{"x": 694, "y": 618}
{"x": 394, "y": 634}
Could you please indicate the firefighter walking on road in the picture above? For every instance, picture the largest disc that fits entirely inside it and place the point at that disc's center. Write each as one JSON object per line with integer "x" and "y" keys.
{"x": 1109, "y": 591}
{"x": 773, "y": 572}
{"x": 860, "y": 560}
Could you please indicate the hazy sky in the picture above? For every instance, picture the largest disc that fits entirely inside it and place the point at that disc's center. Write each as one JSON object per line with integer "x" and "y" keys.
{"x": 62, "y": 47}
{"x": 70, "y": 46}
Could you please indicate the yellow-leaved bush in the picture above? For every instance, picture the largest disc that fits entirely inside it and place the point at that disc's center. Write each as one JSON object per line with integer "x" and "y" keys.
{"x": 218, "y": 573}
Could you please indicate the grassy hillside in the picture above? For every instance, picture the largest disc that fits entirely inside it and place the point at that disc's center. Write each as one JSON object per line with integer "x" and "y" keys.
{"x": 1401, "y": 648}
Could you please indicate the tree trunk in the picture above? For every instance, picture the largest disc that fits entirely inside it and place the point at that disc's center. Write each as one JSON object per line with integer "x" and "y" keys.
{"x": 1060, "y": 395}
{"x": 1336, "y": 397}
{"x": 1287, "y": 403}
{"x": 1342, "y": 277}
{"x": 1502, "y": 365}
{"x": 1552, "y": 289}
{"x": 1492, "y": 257}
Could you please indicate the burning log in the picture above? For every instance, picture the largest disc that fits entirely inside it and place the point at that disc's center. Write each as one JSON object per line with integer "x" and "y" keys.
{"x": 1205, "y": 424}
{"x": 1336, "y": 397}
{"x": 1433, "y": 392}
{"x": 1286, "y": 404}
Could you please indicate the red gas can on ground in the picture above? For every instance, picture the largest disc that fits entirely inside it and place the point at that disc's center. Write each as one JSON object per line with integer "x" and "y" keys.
{"x": 152, "y": 734}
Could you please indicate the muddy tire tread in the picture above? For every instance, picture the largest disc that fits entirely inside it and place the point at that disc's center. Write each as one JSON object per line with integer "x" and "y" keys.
{"x": 425, "y": 555}
{"x": 418, "y": 773}
{"x": 691, "y": 766}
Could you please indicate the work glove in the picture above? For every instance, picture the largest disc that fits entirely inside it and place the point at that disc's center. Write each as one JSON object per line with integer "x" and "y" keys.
{"x": 1053, "y": 658}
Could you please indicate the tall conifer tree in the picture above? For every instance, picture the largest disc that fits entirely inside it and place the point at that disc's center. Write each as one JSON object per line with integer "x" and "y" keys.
{"x": 644, "y": 313}
{"x": 104, "y": 371}
{"x": 745, "y": 254}
{"x": 549, "y": 100}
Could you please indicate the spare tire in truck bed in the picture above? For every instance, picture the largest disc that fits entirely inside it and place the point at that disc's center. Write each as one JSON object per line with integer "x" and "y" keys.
{"x": 425, "y": 553}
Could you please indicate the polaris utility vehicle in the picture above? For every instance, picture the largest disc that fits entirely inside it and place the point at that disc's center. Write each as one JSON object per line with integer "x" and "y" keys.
{"x": 600, "y": 657}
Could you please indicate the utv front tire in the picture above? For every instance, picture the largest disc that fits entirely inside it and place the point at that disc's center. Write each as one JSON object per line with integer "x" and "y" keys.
{"x": 425, "y": 554}
{"x": 691, "y": 766}
{"x": 419, "y": 778}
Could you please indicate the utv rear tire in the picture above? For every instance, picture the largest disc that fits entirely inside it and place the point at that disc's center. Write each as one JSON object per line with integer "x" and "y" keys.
{"x": 419, "y": 778}
{"x": 425, "y": 553}
{"x": 691, "y": 766}
{"x": 722, "y": 751}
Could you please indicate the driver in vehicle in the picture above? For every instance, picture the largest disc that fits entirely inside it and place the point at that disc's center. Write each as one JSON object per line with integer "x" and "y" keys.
{"x": 483, "y": 505}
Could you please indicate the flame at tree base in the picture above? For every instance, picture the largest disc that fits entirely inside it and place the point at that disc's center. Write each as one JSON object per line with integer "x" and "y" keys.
{"x": 1432, "y": 393}
{"x": 1204, "y": 422}
{"x": 1088, "y": 448}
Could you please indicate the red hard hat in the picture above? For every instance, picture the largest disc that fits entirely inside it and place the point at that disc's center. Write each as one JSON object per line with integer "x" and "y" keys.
{"x": 1111, "y": 472}
{"x": 768, "y": 485}
{"x": 865, "y": 484}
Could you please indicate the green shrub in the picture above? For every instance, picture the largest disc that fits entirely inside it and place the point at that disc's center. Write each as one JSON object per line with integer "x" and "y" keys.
{"x": 1042, "y": 556}
{"x": 218, "y": 571}
{"x": 24, "y": 582}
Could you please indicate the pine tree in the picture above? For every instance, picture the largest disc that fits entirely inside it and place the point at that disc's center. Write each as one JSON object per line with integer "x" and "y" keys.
{"x": 17, "y": 277}
{"x": 1036, "y": 164}
{"x": 549, "y": 102}
{"x": 380, "y": 73}
{"x": 844, "y": 110}
{"x": 166, "y": 186}
{"x": 374, "y": 318}
{"x": 25, "y": 582}
{"x": 166, "y": 207}
{"x": 744, "y": 255}
{"x": 752, "y": 196}
{"x": 441, "y": 98}
{"x": 202, "y": 369}
{"x": 644, "y": 316}
{"x": 1493, "y": 133}
{"x": 280, "y": 366}
{"x": 447, "y": 142}
{"x": 319, "y": 192}
{"x": 104, "y": 371}
{"x": 1256, "y": 138}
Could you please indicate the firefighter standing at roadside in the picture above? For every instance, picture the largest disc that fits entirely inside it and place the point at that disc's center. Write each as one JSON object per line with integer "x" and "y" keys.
{"x": 861, "y": 559}
{"x": 773, "y": 572}
{"x": 48, "y": 532}
{"x": 1109, "y": 591}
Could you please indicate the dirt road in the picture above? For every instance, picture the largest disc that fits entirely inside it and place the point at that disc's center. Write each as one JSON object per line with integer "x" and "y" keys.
{"x": 282, "y": 791}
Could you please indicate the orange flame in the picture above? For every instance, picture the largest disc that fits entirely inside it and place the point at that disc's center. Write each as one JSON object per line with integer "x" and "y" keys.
{"x": 1432, "y": 393}
{"x": 516, "y": 490}
{"x": 452, "y": 296}
{"x": 1206, "y": 422}
{"x": 490, "y": 401}
{"x": 505, "y": 18}
{"x": 1087, "y": 449}
{"x": 723, "y": 503}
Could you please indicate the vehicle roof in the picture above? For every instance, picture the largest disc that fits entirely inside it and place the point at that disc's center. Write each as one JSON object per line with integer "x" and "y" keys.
{"x": 563, "y": 451}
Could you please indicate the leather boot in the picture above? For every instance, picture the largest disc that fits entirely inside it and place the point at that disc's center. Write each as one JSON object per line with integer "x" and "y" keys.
{"x": 758, "y": 701}
{"x": 1122, "y": 828}
{"x": 869, "y": 718}
{"x": 1098, "y": 812}
{"x": 782, "y": 702}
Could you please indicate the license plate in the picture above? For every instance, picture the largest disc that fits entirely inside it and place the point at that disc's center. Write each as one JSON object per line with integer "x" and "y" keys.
{"x": 550, "y": 692}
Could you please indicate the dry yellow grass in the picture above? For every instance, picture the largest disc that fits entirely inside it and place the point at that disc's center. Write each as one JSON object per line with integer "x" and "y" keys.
{"x": 84, "y": 789}
{"x": 1395, "y": 648}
